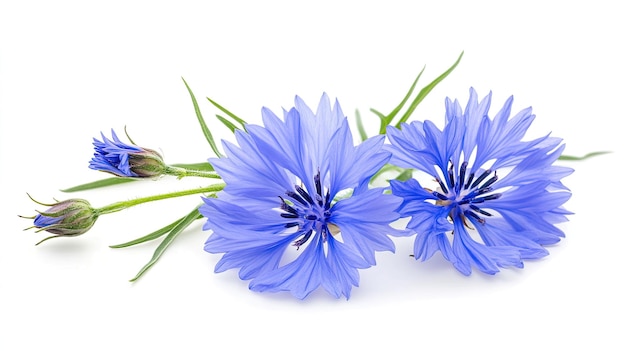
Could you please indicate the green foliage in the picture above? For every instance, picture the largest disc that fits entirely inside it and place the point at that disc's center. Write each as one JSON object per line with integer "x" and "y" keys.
{"x": 181, "y": 225}
{"x": 203, "y": 125}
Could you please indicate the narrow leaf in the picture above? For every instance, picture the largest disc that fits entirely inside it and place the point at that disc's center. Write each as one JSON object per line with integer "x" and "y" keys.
{"x": 154, "y": 235}
{"x": 580, "y": 158}
{"x": 227, "y": 123}
{"x": 228, "y": 113}
{"x": 178, "y": 228}
{"x": 405, "y": 175}
{"x": 203, "y": 166}
{"x": 205, "y": 129}
{"x": 387, "y": 120}
{"x": 99, "y": 184}
{"x": 359, "y": 126}
{"x": 425, "y": 91}
{"x": 384, "y": 169}
{"x": 380, "y": 115}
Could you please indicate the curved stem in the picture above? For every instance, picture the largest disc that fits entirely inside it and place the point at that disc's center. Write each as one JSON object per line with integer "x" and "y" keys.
{"x": 118, "y": 206}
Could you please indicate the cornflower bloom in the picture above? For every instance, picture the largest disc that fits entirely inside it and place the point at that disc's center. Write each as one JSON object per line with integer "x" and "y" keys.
{"x": 496, "y": 198}
{"x": 297, "y": 212}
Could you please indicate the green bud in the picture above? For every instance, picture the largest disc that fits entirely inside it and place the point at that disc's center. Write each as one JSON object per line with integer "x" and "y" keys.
{"x": 147, "y": 163}
{"x": 71, "y": 217}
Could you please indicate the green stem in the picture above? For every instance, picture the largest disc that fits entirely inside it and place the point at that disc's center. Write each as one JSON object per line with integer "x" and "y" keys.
{"x": 185, "y": 172}
{"x": 118, "y": 206}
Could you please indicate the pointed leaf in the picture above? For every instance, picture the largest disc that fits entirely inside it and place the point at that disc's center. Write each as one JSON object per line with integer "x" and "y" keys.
{"x": 385, "y": 121}
{"x": 205, "y": 129}
{"x": 228, "y": 113}
{"x": 580, "y": 158}
{"x": 227, "y": 123}
{"x": 203, "y": 166}
{"x": 99, "y": 184}
{"x": 425, "y": 91}
{"x": 380, "y": 115}
{"x": 359, "y": 126}
{"x": 178, "y": 228}
{"x": 154, "y": 235}
{"x": 405, "y": 175}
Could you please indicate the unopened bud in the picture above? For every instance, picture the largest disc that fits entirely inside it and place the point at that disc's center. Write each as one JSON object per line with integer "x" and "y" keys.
{"x": 71, "y": 217}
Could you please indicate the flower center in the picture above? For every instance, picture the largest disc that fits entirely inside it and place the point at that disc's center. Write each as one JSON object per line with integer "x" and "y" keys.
{"x": 310, "y": 212}
{"x": 466, "y": 194}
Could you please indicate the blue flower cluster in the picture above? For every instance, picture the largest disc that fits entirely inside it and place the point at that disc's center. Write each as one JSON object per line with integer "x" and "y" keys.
{"x": 301, "y": 206}
{"x": 298, "y": 212}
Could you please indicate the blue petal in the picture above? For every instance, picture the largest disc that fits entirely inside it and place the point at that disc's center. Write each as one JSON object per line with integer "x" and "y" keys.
{"x": 301, "y": 276}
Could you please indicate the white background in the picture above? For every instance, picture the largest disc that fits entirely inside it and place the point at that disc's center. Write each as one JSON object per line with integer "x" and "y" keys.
{"x": 69, "y": 70}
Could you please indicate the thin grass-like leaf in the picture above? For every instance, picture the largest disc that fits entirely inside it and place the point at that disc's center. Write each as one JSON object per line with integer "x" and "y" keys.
{"x": 203, "y": 125}
{"x": 580, "y": 158}
{"x": 380, "y": 115}
{"x": 227, "y": 123}
{"x": 177, "y": 229}
{"x": 384, "y": 169}
{"x": 426, "y": 90}
{"x": 203, "y": 166}
{"x": 359, "y": 126}
{"x": 99, "y": 184}
{"x": 228, "y": 113}
{"x": 386, "y": 120}
{"x": 154, "y": 235}
{"x": 405, "y": 175}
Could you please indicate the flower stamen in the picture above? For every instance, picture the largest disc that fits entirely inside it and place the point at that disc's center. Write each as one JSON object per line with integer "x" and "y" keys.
{"x": 465, "y": 194}
{"x": 312, "y": 210}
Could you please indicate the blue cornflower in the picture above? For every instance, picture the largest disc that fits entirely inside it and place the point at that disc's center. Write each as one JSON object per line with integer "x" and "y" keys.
{"x": 496, "y": 198}
{"x": 124, "y": 160}
{"x": 296, "y": 212}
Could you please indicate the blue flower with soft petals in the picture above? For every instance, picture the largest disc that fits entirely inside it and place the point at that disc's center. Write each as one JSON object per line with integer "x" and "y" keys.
{"x": 495, "y": 197}
{"x": 124, "y": 160}
{"x": 297, "y": 212}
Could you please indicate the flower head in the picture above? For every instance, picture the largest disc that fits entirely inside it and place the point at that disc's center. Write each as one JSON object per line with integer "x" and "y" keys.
{"x": 123, "y": 160}
{"x": 71, "y": 217}
{"x": 495, "y": 198}
{"x": 296, "y": 212}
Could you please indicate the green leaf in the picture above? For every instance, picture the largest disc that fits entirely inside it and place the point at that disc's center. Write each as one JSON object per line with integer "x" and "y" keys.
{"x": 99, "y": 184}
{"x": 388, "y": 167}
{"x": 380, "y": 115}
{"x": 154, "y": 235}
{"x": 359, "y": 126}
{"x": 203, "y": 166}
{"x": 386, "y": 120}
{"x": 205, "y": 129}
{"x": 228, "y": 113}
{"x": 177, "y": 229}
{"x": 405, "y": 175}
{"x": 426, "y": 90}
{"x": 580, "y": 158}
{"x": 227, "y": 123}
